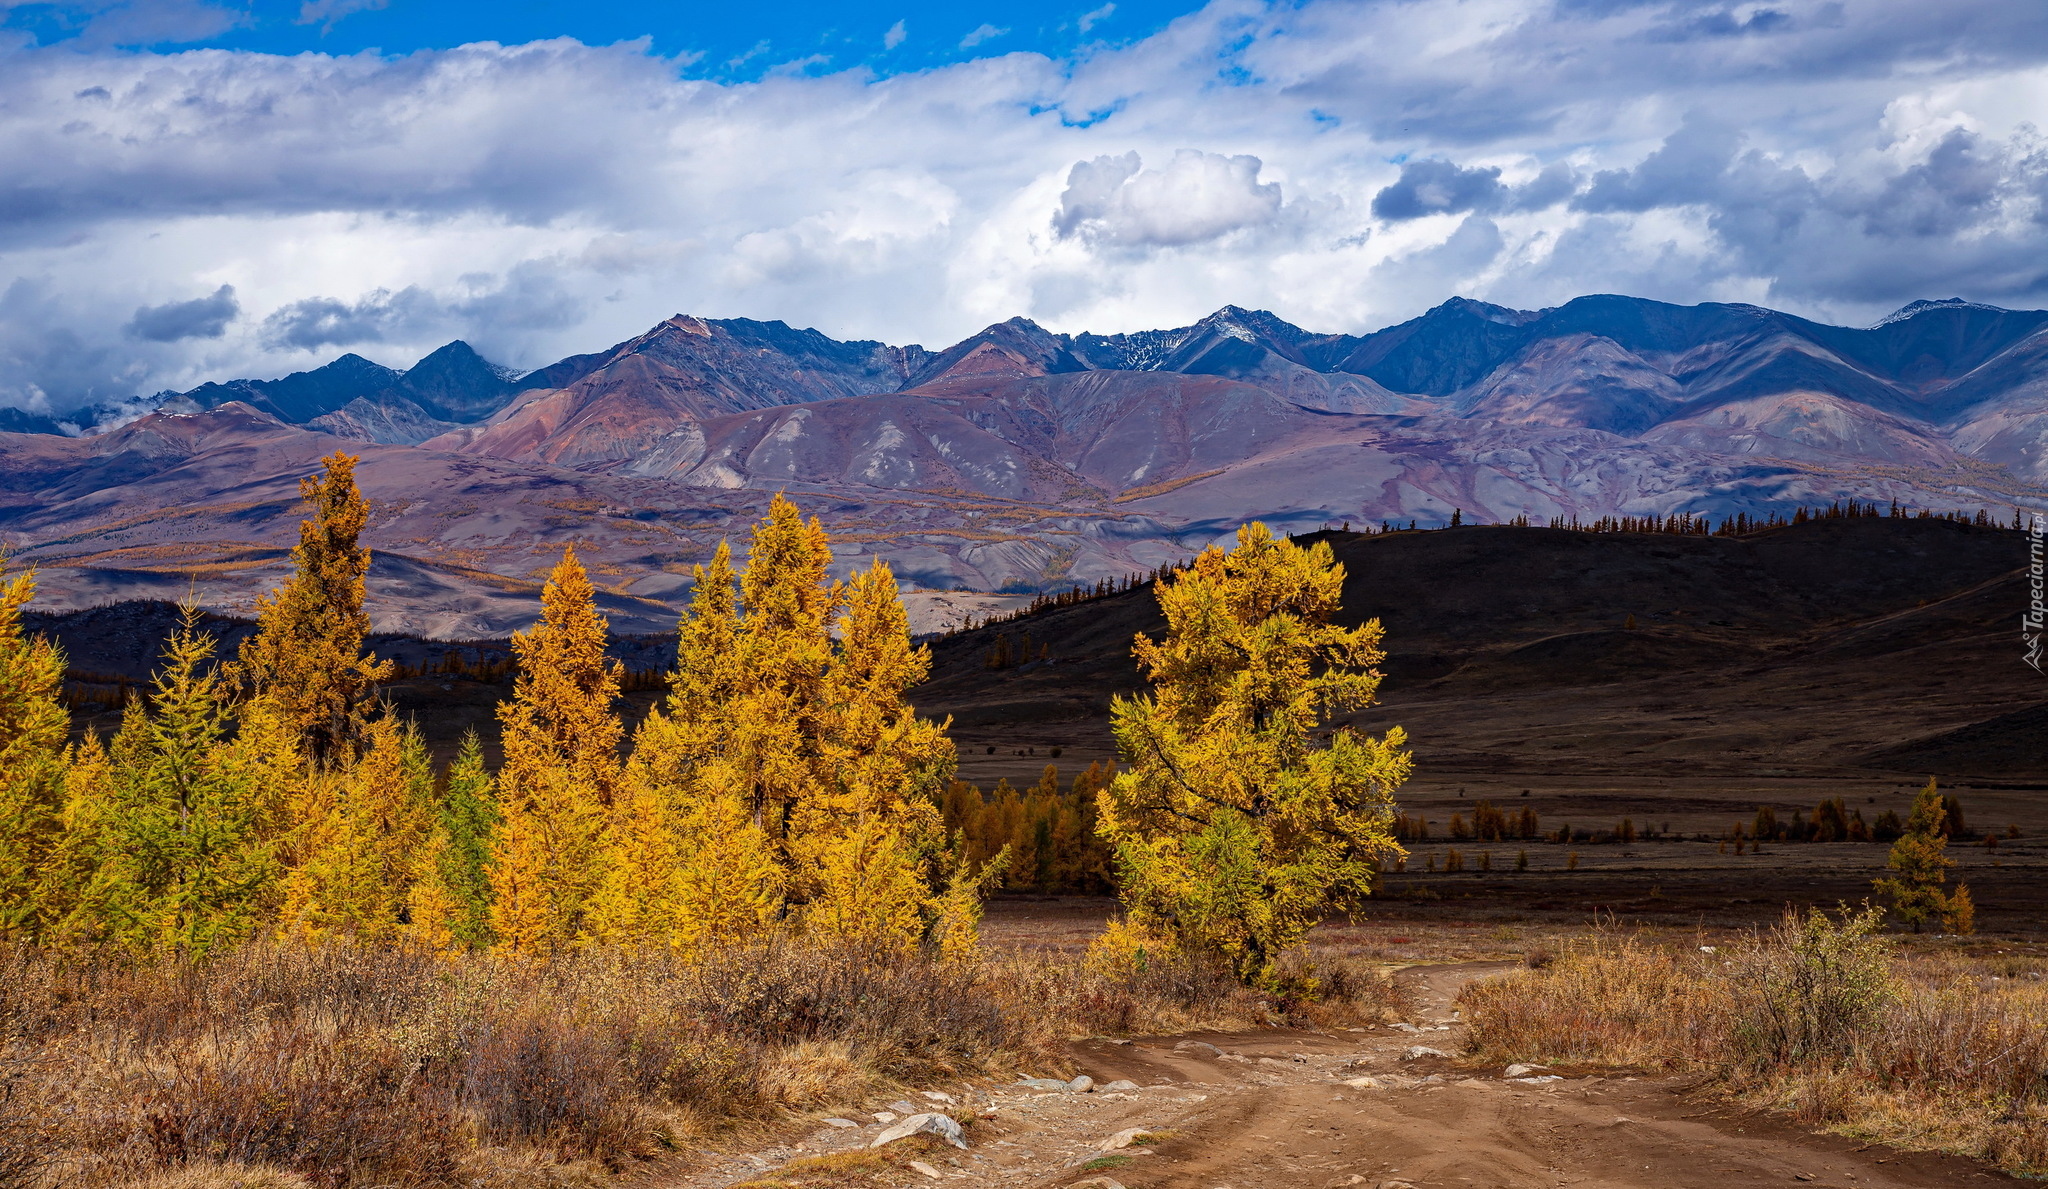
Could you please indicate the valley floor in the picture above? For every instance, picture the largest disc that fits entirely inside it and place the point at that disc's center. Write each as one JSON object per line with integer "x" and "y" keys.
{"x": 1288, "y": 1108}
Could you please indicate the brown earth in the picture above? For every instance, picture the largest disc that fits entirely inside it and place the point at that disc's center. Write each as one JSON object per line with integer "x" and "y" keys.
{"x": 1289, "y": 1108}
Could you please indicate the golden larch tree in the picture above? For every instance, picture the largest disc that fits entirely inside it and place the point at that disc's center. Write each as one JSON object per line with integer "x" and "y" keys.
{"x": 450, "y": 903}
{"x": 801, "y": 788}
{"x": 1234, "y": 830}
{"x": 867, "y": 848}
{"x": 561, "y": 771}
{"x": 366, "y": 845}
{"x": 33, "y": 724}
{"x": 307, "y": 653}
{"x": 1919, "y": 867}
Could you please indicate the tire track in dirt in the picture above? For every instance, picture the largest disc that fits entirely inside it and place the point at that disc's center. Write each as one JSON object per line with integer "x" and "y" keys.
{"x": 1288, "y": 1109}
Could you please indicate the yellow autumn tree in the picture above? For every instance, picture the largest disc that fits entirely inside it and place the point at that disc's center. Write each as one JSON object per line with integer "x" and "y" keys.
{"x": 692, "y": 801}
{"x": 561, "y": 772}
{"x": 800, "y": 788}
{"x": 1234, "y": 830}
{"x": 33, "y": 724}
{"x": 306, "y": 655}
{"x": 1918, "y": 869}
{"x": 366, "y": 841}
{"x": 867, "y": 849}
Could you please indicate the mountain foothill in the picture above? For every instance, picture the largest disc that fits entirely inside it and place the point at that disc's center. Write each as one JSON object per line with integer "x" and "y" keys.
{"x": 1023, "y": 460}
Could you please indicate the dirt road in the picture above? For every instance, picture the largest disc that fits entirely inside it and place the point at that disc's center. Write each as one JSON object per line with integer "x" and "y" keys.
{"x": 1287, "y": 1109}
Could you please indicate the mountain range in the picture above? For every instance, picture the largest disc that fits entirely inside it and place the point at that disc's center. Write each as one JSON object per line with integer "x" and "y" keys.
{"x": 1021, "y": 459}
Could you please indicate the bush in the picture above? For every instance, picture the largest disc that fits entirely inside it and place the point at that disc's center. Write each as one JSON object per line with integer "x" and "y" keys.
{"x": 1817, "y": 1016}
{"x": 345, "y": 1065}
{"x": 1810, "y": 988}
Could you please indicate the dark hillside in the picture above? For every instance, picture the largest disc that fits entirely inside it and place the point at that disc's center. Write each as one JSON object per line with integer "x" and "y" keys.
{"x": 1818, "y": 645}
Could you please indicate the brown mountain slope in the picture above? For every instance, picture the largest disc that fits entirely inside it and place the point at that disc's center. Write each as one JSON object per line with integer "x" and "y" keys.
{"x": 1822, "y": 647}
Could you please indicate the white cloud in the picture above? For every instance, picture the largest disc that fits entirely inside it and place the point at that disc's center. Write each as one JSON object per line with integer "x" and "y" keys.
{"x": 1089, "y": 20}
{"x": 326, "y": 13}
{"x": 1196, "y": 198}
{"x": 981, "y": 33}
{"x": 1345, "y": 165}
{"x": 896, "y": 35}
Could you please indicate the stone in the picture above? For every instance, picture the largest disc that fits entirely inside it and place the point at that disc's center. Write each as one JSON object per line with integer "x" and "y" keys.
{"x": 1097, "y": 1183}
{"x": 902, "y": 1108}
{"x": 1044, "y": 1084}
{"x": 1418, "y": 1052}
{"x": 942, "y": 1126}
{"x": 920, "y": 1166}
{"x": 937, "y": 1096}
{"x": 1522, "y": 1071}
{"x": 1198, "y": 1046}
{"x": 1544, "y": 1079}
{"x": 841, "y": 1123}
{"x": 1122, "y": 1139}
{"x": 1120, "y": 1086}
{"x": 1082, "y": 1084}
{"x": 1406, "y": 1028}
{"x": 885, "y": 1116}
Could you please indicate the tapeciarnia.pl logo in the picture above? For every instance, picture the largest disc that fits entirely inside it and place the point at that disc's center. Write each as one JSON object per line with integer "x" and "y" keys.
{"x": 2036, "y": 615}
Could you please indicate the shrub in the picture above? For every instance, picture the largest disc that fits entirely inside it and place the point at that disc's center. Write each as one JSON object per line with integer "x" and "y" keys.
{"x": 1817, "y": 1016}
{"x": 341, "y": 1065}
{"x": 1810, "y": 987}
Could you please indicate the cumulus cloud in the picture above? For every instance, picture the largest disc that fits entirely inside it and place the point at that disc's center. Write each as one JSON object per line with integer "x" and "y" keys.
{"x": 1439, "y": 188}
{"x": 46, "y": 366}
{"x": 202, "y": 318}
{"x": 543, "y": 199}
{"x": 1195, "y": 198}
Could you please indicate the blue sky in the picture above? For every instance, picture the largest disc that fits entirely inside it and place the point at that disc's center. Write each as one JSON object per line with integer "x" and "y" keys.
{"x": 189, "y": 194}
{"x": 722, "y": 41}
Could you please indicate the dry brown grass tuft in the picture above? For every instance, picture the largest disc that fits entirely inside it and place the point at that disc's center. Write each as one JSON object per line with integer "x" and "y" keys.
{"x": 1817, "y": 1018}
{"x": 337, "y": 1066}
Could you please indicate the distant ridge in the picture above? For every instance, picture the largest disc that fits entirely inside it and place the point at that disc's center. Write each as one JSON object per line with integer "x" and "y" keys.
{"x": 1023, "y": 459}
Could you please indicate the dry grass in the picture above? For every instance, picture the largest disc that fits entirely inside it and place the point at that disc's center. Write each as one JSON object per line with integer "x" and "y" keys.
{"x": 277, "y": 1065}
{"x": 1816, "y": 1019}
{"x": 859, "y": 1165}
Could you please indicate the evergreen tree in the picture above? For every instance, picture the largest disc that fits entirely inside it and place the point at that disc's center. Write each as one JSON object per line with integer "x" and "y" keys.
{"x": 451, "y": 904}
{"x": 1918, "y": 863}
{"x": 183, "y": 857}
{"x": 307, "y": 652}
{"x": 33, "y": 724}
{"x": 561, "y": 771}
{"x": 1234, "y": 832}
